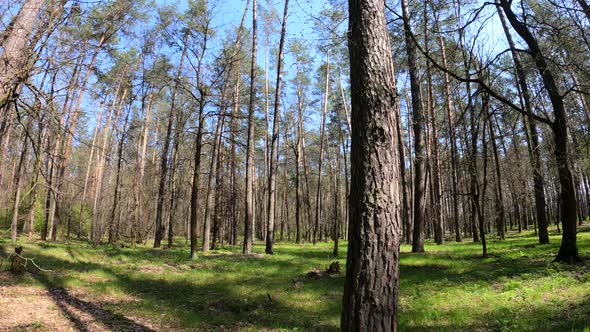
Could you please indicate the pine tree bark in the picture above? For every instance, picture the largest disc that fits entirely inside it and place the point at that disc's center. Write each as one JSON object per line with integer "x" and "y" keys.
{"x": 371, "y": 286}
{"x": 16, "y": 49}
{"x": 418, "y": 127}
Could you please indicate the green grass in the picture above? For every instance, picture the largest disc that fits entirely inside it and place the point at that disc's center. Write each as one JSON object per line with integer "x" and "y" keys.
{"x": 450, "y": 287}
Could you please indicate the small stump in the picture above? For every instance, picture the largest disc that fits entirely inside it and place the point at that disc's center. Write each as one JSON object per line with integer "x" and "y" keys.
{"x": 17, "y": 263}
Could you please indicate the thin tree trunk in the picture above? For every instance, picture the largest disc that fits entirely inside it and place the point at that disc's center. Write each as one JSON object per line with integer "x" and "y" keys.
{"x": 166, "y": 147}
{"x": 568, "y": 251}
{"x": 274, "y": 152}
{"x": 250, "y": 149}
{"x": 534, "y": 149}
{"x": 113, "y": 230}
{"x": 19, "y": 175}
{"x": 318, "y": 199}
{"x": 138, "y": 193}
{"x": 435, "y": 165}
{"x": 85, "y": 189}
{"x": 417, "y": 124}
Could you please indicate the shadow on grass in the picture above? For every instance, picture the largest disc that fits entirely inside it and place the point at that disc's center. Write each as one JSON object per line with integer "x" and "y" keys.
{"x": 63, "y": 299}
{"x": 202, "y": 304}
{"x": 239, "y": 291}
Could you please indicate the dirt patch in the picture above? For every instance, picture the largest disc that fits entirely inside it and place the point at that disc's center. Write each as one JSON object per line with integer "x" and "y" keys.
{"x": 33, "y": 308}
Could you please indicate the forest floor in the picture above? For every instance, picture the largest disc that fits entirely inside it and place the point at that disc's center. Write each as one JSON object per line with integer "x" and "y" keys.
{"x": 450, "y": 287}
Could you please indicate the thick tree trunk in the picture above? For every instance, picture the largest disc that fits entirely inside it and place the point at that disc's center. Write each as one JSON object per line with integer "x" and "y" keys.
{"x": 585, "y": 7}
{"x": 16, "y": 50}
{"x": 371, "y": 286}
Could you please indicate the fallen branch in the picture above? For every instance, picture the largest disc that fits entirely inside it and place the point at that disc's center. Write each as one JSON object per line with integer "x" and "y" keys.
{"x": 23, "y": 261}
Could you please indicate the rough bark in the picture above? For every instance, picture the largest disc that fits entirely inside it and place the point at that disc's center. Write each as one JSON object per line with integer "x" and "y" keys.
{"x": 370, "y": 292}
{"x": 418, "y": 127}
{"x": 16, "y": 49}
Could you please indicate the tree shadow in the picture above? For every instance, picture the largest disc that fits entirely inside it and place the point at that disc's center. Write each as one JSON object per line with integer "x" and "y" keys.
{"x": 209, "y": 303}
{"x": 63, "y": 299}
{"x": 245, "y": 291}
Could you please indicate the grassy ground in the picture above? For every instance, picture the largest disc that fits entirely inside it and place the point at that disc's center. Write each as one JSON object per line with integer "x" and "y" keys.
{"x": 448, "y": 288}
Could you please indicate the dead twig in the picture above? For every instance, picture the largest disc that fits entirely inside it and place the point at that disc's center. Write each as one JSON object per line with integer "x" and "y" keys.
{"x": 24, "y": 261}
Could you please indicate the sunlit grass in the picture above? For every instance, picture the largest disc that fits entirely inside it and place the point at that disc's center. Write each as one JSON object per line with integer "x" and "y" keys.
{"x": 448, "y": 288}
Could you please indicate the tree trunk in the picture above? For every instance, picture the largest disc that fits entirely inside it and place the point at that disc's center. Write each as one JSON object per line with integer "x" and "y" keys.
{"x": 274, "y": 157}
{"x": 499, "y": 196}
{"x": 418, "y": 127}
{"x": 18, "y": 177}
{"x": 437, "y": 217}
{"x": 534, "y": 149}
{"x": 113, "y": 230}
{"x": 166, "y": 147}
{"x": 568, "y": 252}
{"x": 337, "y": 214}
{"x": 16, "y": 50}
{"x": 371, "y": 286}
{"x": 318, "y": 198}
{"x": 250, "y": 149}
{"x": 141, "y": 160}
{"x": 585, "y": 7}
{"x": 85, "y": 188}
